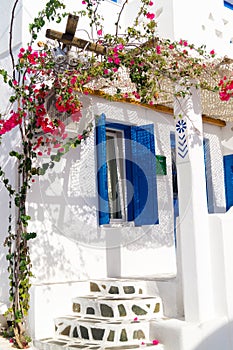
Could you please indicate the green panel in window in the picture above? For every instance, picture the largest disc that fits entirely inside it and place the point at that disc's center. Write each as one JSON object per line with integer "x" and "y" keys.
{"x": 161, "y": 165}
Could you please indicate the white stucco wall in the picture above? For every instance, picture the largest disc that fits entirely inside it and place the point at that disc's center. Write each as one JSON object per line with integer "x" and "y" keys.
{"x": 214, "y": 135}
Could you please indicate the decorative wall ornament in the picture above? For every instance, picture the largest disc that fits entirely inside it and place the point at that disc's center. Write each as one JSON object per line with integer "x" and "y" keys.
{"x": 182, "y": 149}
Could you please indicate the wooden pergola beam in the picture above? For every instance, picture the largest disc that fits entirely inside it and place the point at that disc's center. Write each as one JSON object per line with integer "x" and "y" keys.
{"x": 71, "y": 24}
{"x": 70, "y": 40}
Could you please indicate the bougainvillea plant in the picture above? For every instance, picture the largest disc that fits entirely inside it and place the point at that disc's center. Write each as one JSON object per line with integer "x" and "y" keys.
{"x": 149, "y": 62}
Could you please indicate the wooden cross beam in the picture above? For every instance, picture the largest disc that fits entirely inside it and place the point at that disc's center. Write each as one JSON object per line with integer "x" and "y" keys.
{"x": 68, "y": 38}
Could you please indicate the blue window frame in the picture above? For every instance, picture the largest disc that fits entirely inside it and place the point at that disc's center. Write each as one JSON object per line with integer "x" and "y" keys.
{"x": 229, "y": 4}
{"x": 228, "y": 175}
{"x": 140, "y": 172}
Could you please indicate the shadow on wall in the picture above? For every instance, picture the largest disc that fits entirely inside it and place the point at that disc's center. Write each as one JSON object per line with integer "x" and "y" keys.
{"x": 8, "y": 165}
{"x": 4, "y": 285}
{"x": 222, "y": 338}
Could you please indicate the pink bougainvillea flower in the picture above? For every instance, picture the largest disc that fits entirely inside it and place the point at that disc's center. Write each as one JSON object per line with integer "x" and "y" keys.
{"x": 80, "y": 137}
{"x": 158, "y": 49}
{"x": 224, "y": 96}
{"x": 155, "y": 342}
{"x": 183, "y": 42}
{"x": 110, "y": 59}
{"x": 136, "y": 94}
{"x": 212, "y": 52}
{"x": 117, "y": 60}
{"x": 135, "y": 319}
{"x": 73, "y": 80}
{"x": 99, "y": 32}
{"x": 171, "y": 47}
{"x": 40, "y": 110}
{"x": 150, "y": 15}
{"x": 31, "y": 59}
{"x": 106, "y": 71}
{"x": 151, "y": 3}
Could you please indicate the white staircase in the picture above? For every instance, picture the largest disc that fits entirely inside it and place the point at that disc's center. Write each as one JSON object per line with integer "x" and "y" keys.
{"x": 116, "y": 314}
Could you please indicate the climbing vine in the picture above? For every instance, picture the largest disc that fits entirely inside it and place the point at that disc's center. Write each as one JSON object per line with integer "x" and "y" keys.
{"x": 149, "y": 63}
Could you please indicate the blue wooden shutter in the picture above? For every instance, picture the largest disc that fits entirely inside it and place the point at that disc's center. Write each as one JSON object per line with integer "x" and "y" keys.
{"x": 228, "y": 174}
{"x": 102, "y": 176}
{"x": 144, "y": 175}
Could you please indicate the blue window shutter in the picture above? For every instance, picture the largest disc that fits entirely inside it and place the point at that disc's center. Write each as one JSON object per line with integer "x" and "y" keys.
{"x": 102, "y": 176}
{"x": 228, "y": 174}
{"x": 144, "y": 175}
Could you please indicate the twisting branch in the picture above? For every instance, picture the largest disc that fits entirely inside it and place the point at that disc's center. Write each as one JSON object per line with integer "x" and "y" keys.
{"x": 119, "y": 17}
{"x": 11, "y": 37}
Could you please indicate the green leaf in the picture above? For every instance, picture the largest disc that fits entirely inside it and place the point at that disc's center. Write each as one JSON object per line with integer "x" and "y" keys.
{"x": 29, "y": 235}
{"x": 28, "y": 164}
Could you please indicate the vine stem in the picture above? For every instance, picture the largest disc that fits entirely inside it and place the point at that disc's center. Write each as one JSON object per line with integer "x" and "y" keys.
{"x": 11, "y": 37}
{"x": 119, "y": 17}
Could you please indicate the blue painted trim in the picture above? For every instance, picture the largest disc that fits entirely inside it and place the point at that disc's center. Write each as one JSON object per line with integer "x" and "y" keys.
{"x": 102, "y": 171}
{"x": 228, "y": 5}
{"x": 228, "y": 175}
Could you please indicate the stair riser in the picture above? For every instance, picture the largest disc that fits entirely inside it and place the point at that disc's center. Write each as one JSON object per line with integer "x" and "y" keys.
{"x": 109, "y": 333}
{"x": 118, "y": 309}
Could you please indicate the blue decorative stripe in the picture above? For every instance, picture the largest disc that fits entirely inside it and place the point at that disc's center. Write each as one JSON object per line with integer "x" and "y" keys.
{"x": 182, "y": 149}
{"x": 228, "y": 5}
{"x": 182, "y": 155}
{"x": 182, "y": 143}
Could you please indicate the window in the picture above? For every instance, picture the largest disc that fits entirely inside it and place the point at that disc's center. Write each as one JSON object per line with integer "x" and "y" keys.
{"x": 229, "y": 4}
{"x": 115, "y": 174}
{"x": 126, "y": 173}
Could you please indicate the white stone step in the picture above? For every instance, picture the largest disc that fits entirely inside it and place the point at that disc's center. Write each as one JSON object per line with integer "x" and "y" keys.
{"x": 118, "y": 287}
{"x": 118, "y": 309}
{"x": 93, "y": 330}
{"x": 63, "y": 343}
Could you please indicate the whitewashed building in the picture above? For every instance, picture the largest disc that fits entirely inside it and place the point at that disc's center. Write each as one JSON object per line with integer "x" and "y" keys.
{"x": 168, "y": 228}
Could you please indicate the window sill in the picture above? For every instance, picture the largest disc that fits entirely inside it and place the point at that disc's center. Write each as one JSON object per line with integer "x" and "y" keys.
{"x": 119, "y": 224}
